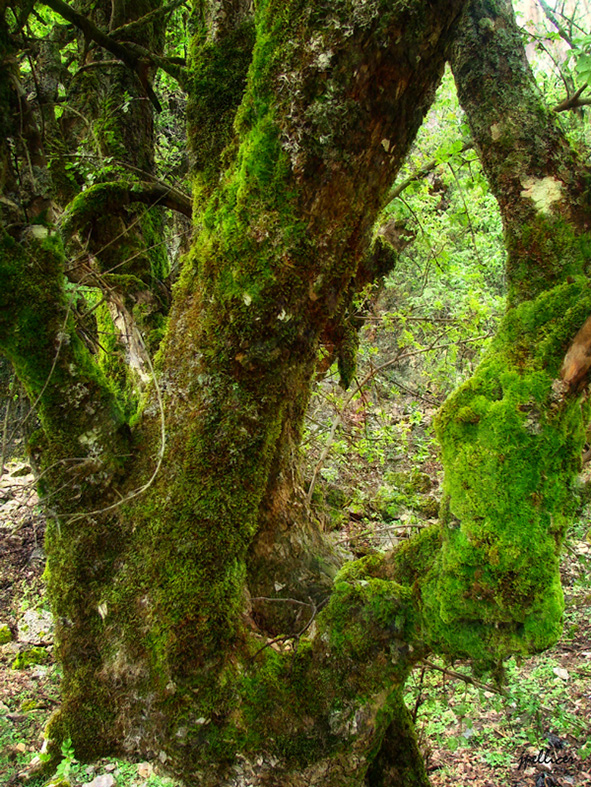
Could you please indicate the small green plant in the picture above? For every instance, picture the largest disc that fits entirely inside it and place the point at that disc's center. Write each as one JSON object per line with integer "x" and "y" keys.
{"x": 68, "y": 760}
{"x": 498, "y": 759}
{"x": 62, "y": 772}
{"x": 5, "y": 634}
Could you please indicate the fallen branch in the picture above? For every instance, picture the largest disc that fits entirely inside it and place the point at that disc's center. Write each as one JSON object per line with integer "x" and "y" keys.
{"x": 465, "y": 678}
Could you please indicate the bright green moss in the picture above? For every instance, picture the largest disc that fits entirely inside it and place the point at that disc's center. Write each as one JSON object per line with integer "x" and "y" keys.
{"x": 151, "y": 225}
{"x": 5, "y": 634}
{"x": 30, "y": 656}
{"x": 511, "y": 448}
{"x": 99, "y": 200}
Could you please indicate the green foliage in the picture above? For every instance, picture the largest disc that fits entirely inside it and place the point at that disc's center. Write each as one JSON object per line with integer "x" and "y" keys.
{"x": 30, "y": 656}
{"x": 64, "y": 768}
{"x": 582, "y": 56}
{"x": 438, "y": 312}
{"x": 5, "y": 634}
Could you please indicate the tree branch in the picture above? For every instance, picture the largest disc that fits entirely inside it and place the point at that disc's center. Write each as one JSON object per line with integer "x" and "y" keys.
{"x": 420, "y": 174}
{"x": 130, "y": 27}
{"x": 551, "y": 16}
{"x": 133, "y": 56}
{"x": 118, "y": 195}
{"x": 159, "y": 194}
{"x": 573, "y": 102}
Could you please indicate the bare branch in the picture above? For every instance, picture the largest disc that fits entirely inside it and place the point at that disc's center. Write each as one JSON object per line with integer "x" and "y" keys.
{"x": 573, "y": 102}
{"x": 552, "y": 18}
{"x": 420, "y": 174}
{"x": 465, "y": 678}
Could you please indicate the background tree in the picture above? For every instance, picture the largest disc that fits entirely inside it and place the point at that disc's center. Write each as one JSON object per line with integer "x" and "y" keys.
{"x": 166, "y": 523}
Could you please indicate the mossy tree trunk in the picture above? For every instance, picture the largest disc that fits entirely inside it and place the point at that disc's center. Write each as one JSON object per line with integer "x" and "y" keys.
{"x": 512, "y": 435}
{"x": 286, "y": 216}
{"x": 115, "y": 242}
{"x": 82, "y": 446}
{"x": 299, "y": 121}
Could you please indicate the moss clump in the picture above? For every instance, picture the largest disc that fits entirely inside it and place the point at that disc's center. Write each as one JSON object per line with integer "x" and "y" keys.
{"x": 99, "y": 200}
{"x": 369, "y": 612}
{"x": 509, "y": 468}
{"x": 5, "y": 634}
{"x": 30, "y": 656}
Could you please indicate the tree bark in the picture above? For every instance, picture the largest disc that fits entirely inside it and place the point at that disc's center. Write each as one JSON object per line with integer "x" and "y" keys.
{"x": 333, "y": 99}
{"x": 512, "y": 435}
{"x": 115, "y": 244}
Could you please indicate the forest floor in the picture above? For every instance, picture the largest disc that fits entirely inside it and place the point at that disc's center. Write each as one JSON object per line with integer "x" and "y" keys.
{"x": 471, "y": 733}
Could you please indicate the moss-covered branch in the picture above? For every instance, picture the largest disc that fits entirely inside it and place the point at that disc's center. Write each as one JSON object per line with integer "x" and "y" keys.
{"x": 512, "y": 435}
{"x": 539, "y": 183}
{"x": 132, "y": 27}
{"x": 105, "y": 198}
{"x": 221, "y": 55}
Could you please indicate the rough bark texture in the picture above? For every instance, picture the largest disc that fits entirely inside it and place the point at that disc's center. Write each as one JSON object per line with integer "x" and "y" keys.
{"x": 299, "y": 120}
{"x": 512, "y": 435}
{"x": 332, "y": 92}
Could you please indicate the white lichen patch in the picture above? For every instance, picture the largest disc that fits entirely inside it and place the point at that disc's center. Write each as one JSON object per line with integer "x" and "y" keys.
{"x": 36, "y": 626}
{"x": 495, "y": 131}
{"x": 90, "y": 438}
{"x": 544, "y": 192}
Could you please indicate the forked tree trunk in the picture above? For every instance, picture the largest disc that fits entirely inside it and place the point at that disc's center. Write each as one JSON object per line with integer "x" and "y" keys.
{"x": 153, "y": 540}
{"x": 334, "y": 98}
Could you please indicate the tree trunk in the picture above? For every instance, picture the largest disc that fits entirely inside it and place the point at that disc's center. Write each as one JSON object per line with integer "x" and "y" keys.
{"x": 183, "y": 667}
{"x": 115, "y": 243}
{"x": 512, "y": 435}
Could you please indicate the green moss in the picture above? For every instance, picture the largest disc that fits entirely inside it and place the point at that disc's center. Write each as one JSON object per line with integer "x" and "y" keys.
{"x": 152, "y": 226}
{"x": 82, "y": 429}
{"x": 347, "y": 356}
{"x": 101, "y": 199}
{"x": 5, "y": 634}
{"x": 30, "y": 656}
{"x": 368, "y": 612}
{"x": 86, "y": 716}
{"x": 507, "y": 489}
{"x": 218, "y": 79}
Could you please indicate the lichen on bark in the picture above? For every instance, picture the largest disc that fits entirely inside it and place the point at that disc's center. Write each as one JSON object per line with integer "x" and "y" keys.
{"x": 152, "y": 592}
{"x": 281, "y": 239}
{"x": 512, "y": 435}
